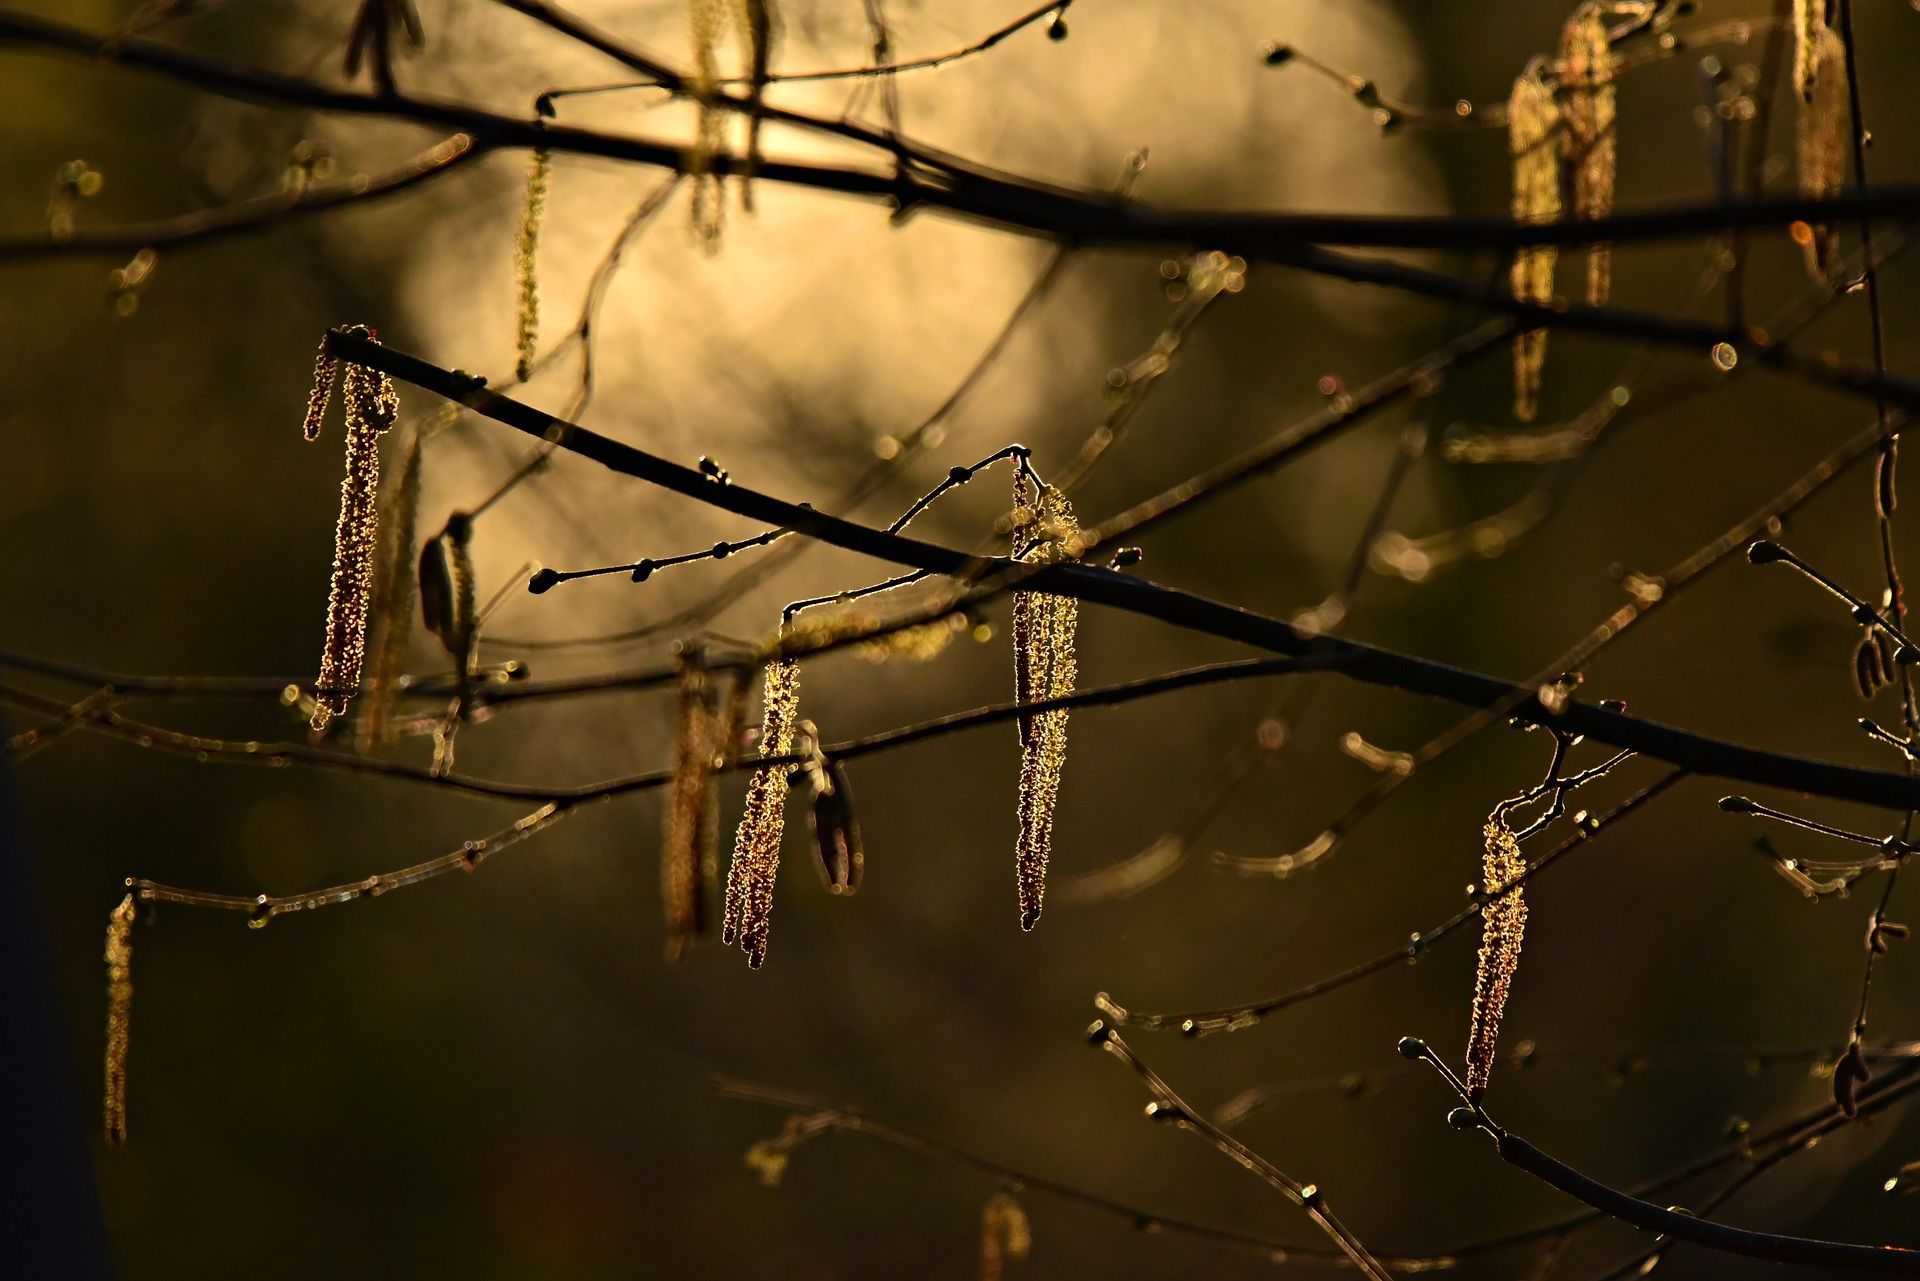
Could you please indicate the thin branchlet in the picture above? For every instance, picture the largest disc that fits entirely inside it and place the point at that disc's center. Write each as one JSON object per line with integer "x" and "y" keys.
{"x": 1044, "y": 667}
{"x": 1533, "y": 119}
{"x": 119, "y": 956}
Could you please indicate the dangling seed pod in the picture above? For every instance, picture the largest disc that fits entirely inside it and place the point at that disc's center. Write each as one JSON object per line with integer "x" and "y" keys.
{"x": 839, "y": 856}
{"x": 1503, "y": 924}
{"x": 756, "y": 846}
{"x": 1821, "y": 141}
{"x": 371, "y": 408}
{"x": 1587, "y": 138}
{"x": 392, "y": 621}
{"x": 1849, "y": 1074}
{"x": 1044, "y": 668}
{"x": 1532, "y": 118}
{"x": 526, "y": 261}
{"x": 119, "y": 1016}
{"x": 1004, "y": 1234}
{"x": 687, "y": 851}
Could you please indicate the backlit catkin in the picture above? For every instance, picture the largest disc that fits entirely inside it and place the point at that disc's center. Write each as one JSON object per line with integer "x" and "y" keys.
{"x": 1532, "y": 118}
{"x": 119, "y": 1016}
{"x": 371, "y": 407}
{"x": 1587, "y": 138}
{"x": 1503, "y": 924}
{"x": 1044, "y": 668}
{"x": 687, "y": 849}
{"x": 756, "y": 845}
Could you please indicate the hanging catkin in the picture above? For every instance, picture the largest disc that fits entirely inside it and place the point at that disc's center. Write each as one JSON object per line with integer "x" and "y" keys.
{"x": 526, "y": 262}
{"x": 1532, "y": 118}
{"x": 687, "y": 851}
{"x": 758, "y": 25}
{"x": 392, "y": 610}
{"x": 756, "y": 846}
{"x": 707, "y": 18}
{"x": 1004, "y": 1234}
{"x": 371, "y": 407}
{"x": 1043, "y": 668}
{"x": 1821, "y": 139}
{"x": 1587, "y": 137}
{"x": 119, "y": 1016}
{"x": 1503, "y": 924}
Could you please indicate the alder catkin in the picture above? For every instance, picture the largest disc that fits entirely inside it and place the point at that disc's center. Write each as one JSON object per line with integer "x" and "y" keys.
{"x": 757, "y": 25}
{"x": 1532, "y": 118}
{"x": 325, "y": 366}
{"x": 393, "y": 601}
{"x": 1044, "y": 667}
{"x": 1821, "y": 144}
{"x": 119, "y": 1016}
{"x": 687, "y": 850}
{"x": 1503, "y": 924}
{"x": 526, "y": 262}
{"x": 1588, "y": 141}
{"x": 756, "y": 845}
{"x": 706, "y": 18}
{"x": 1004, "y": 1234}
{"x": 371, "y": 406}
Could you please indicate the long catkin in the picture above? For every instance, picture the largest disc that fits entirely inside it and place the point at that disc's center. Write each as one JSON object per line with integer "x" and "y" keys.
{"x": 119, "y": 956}
{"x": 1532, "y": 117}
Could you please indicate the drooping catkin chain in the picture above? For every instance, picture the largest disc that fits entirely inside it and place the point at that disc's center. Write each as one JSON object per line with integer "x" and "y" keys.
{"x": 1044, "y": 667}
{"x": 1821, "y": 137}
{"x": 1532, "y": 118}
{"x": 756, "y": 845}
{"x": 526, "y": 262}
{"x": 391, "y": 622}
{"x": 371, "y": 407}
{"x": 1503, "y": 924}
{"x": 687, "y": 851}
{"x": 1587, "y": 138}
{"x": 119, "y": 1016}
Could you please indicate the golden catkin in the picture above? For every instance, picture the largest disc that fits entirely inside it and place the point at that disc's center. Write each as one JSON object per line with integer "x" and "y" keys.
{"x": 687, "y": 851}
{"x": 1821, "y": 145}
{"x": 119, "y": 1016}
{"x": 1588, "y": 141}
{"x": 1004, "y": 1234}
{"x": 756, "y": 846}
{"x": 1503, "y": 924}
{"x": 757, "y": 24}
{"x": 526, "y": 262}
{"x": 1532, "y": 118}
{"x": 1809, "y": 20}
{"x": 706, "y": 18}
{"x": 1044, "y": 667}
{"x": 325, "y": 367}
{"x": 371, "y": 408}
{"x": 393, "y": 601}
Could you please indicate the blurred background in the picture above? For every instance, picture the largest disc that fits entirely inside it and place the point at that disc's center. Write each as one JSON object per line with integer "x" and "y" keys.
{"x": 498, "y": 1076}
